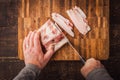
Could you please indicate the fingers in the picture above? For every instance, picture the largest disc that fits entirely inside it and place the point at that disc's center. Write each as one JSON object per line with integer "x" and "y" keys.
{"x": 49, "y": 53}
{"x": 32, "y": 39}
{"x": 28, "y": 39}
{"x": 24, "y": 46}
{"x": 37, "y": 40}
{"x": 91, "y": 60}
{"x": 90, "y": 65}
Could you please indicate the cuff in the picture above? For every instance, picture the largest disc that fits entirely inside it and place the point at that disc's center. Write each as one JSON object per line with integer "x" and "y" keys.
{"x": 98, "y": 74}
{"x": 34, "y": 68}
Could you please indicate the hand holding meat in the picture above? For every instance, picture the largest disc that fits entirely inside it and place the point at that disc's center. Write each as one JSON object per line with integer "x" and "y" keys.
{"x": 90, "y": 65}
{"x": 33, "y": 53}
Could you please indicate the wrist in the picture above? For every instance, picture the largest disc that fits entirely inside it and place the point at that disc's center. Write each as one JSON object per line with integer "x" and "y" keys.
{"x": 100, "y": 73}
{"x": 34, "y": 68}
{"x": 35, "y": 63}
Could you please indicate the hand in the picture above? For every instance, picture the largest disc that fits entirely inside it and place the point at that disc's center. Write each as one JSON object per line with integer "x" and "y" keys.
{"x": 33, "y": 53}
{"x": 89, "y": 66}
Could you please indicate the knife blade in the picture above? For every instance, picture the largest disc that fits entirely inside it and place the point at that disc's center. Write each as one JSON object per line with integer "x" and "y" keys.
{"x": 81, "y": 58}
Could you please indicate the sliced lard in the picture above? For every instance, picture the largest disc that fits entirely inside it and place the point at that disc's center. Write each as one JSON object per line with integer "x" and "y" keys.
{"x": 78, "y": 18}
{"x": 64, "y": 23}
{"x": 50, "y": 34}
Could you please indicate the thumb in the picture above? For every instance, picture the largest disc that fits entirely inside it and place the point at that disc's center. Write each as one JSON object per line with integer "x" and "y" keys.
{"x": 49, "y": 53}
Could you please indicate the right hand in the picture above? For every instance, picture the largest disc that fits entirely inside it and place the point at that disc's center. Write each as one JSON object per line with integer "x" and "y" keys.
{"x": 89, "y": 66}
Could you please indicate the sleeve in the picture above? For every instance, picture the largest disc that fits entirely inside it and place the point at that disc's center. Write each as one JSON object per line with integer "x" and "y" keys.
{"x": 99, "y": 74}
{"x": 29, "y": 72}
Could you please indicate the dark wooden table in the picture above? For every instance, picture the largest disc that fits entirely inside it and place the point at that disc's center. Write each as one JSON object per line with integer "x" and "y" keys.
{"x": 10, "y": 65}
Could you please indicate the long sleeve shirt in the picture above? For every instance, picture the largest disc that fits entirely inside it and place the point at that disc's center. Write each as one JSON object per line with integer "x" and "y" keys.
{"x": 31, "y": 72}
{"x": 99, "y": 74}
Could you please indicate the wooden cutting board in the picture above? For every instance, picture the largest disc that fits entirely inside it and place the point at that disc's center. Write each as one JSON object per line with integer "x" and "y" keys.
{"x": 34, "y": 13}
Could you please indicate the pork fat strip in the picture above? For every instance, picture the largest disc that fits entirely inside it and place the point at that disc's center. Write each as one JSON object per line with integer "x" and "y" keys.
{"x": 79, "y": 19}
{"x": 64, "y": 23}
{"x": 50, "y": 34}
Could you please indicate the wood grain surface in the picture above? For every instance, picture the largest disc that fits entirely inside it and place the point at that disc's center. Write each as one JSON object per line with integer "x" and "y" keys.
{"x": 34, "y": 13}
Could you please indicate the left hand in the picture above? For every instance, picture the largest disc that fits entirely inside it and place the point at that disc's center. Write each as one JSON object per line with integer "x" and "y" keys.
{"x": 33, "y": 53}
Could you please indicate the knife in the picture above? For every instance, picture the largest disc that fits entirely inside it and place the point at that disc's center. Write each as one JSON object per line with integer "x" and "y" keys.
{"x": 81, "y": 58}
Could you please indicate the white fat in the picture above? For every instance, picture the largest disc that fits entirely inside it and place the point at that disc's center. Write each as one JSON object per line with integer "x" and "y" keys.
{"x": 63, "y": 23}
{"x": 78, "y": 20}
{"x": 80, "y": 11}
{"x": 60, "y": 44}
